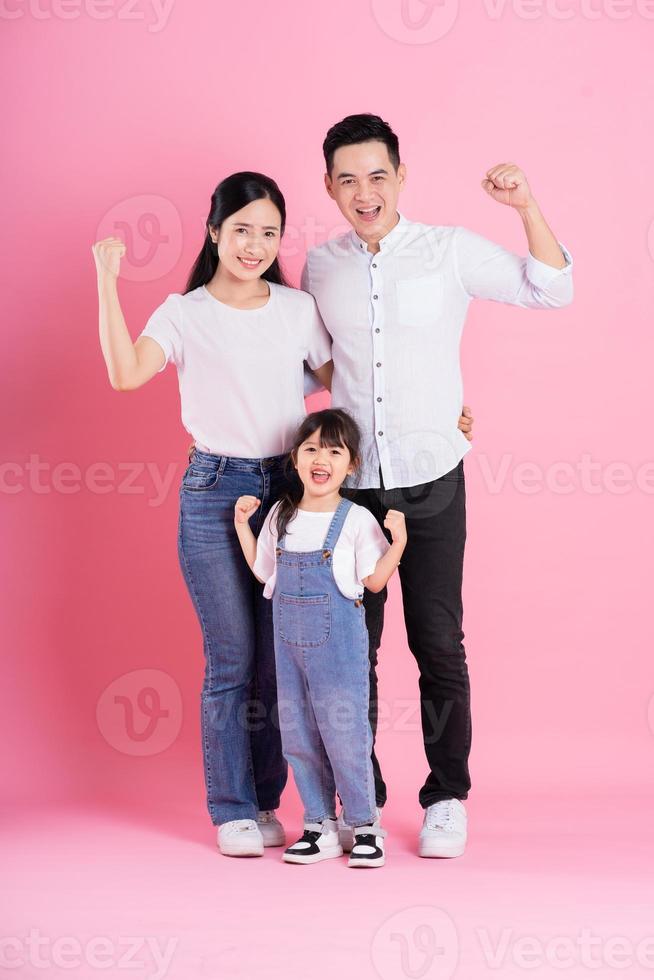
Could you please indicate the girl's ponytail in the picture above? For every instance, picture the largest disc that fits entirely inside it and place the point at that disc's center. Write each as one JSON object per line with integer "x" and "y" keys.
{"x": 289, "y": 500}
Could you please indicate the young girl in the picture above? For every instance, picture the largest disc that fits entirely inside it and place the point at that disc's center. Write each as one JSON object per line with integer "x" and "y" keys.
{"x": 316, "y": 552}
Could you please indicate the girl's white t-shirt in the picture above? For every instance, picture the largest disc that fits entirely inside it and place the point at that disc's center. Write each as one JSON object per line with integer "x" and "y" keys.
{"x": 359, "y": 547}
{"x": 241, "y": 372}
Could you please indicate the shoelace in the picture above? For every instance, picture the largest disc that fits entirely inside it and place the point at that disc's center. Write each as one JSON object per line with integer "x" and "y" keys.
{"x": 247, "y": 825}
{"x": 441, "y": 815}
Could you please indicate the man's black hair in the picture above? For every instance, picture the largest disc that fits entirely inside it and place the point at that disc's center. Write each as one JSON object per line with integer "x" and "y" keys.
{"x": 360, "y": 129}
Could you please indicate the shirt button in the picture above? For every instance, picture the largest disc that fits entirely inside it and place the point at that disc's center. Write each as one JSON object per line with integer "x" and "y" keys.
{"x": 374, "y": 265}
{"x": 378, "y": 363}
{"x": 377, "y": 329}
{"x": 380, "y": 433}
{"x": 378, "y": 399}
{"x": 375, "y": 296}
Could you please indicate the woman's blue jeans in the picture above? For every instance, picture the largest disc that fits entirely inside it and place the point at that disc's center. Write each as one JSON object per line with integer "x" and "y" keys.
{"x": 245, "y": 770}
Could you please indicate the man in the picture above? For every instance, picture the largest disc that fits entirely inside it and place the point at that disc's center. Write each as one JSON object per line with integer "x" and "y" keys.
{"x": 394, "y": 295}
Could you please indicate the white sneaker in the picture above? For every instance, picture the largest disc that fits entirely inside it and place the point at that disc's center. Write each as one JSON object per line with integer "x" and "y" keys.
{"x": 444, "y": 830}
{"x": 368, "y": 850}
{"x": 346, "y": 833}
{"x": 318, "y": 842}
{"x": 271, "y": 829}
{"x": 240, "y": 838}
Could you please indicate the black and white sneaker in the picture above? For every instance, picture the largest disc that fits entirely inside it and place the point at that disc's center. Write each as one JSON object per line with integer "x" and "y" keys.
{"x": 318, "y": 843}
{"x": 345, "y": 831}
{"x": 368, "y": 849}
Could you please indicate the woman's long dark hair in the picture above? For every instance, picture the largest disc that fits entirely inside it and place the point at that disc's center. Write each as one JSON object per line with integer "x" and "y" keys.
{"x": 337, "y": 428}
{"x": 232, "y": 194}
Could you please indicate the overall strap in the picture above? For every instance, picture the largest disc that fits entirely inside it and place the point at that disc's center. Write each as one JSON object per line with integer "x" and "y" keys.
{"x": 336, "y": 525}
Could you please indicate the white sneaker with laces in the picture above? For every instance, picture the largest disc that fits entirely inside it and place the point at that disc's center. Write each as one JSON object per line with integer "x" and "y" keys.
{"x": 444, "y": 830}
{"x": 240, "y": 838}
{"x": 271, "y": 829}
{"x": 318, "y": 842}
{"x": 346, "y": 833}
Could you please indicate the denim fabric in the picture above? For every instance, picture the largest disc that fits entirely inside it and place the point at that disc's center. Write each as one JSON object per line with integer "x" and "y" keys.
{"x": 245, "y": 770}
{"x": 321, "y": 648}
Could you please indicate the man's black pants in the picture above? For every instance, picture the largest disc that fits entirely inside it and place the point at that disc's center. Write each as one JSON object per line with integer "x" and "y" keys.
{"x": 431, "y": 574}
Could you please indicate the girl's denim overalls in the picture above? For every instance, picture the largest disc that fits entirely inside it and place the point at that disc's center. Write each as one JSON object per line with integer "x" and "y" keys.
{"x": 321, "y": 655}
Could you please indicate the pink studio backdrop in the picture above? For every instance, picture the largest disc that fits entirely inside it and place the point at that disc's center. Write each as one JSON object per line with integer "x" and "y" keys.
{"x": 124, "y": 121}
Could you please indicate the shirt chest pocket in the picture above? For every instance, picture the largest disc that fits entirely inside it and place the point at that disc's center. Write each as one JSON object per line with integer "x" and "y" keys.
{"x": 419, "y": 301}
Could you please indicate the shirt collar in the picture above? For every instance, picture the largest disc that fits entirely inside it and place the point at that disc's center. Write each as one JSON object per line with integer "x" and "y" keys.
{"x": 387, "y": 242}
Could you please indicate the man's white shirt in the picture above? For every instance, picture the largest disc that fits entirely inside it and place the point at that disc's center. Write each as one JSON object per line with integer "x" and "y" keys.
{"x": 396, "y": 319}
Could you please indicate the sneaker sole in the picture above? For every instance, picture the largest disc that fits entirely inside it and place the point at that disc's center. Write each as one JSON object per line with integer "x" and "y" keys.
{"x": 366, "y": 863}
{"x": 440, "y": 850}
{"x": 278, "y": 841}
{"x": 250, "y": 852}
{"x": 329, "y": 852}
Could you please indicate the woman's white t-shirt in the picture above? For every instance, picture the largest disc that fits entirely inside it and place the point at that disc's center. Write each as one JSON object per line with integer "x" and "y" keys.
{"x": 359, "y": 547}
{"x": 241, "y": 372}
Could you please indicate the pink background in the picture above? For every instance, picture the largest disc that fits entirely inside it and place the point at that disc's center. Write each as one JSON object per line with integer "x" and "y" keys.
{"x": 110, "y": 119}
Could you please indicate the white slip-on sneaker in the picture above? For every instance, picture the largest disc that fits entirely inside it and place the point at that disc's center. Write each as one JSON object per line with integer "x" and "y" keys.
{"x": 318, "y": 843}
{"x": 240, "y": 838}
{"x": 271, "y": 829}
{"x": 368, "y": 849}
{"x": 346, "y": 833}
{"x": 444, "y": 830}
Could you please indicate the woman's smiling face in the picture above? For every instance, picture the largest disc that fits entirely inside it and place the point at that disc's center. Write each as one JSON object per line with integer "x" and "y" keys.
{"x": 248, "y": 241}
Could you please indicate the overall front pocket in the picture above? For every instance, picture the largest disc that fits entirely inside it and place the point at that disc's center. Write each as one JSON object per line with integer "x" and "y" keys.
{"x": 304, "y": 621}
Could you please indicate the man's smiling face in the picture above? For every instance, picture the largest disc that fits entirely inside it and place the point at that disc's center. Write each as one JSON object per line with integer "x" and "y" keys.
{"x": 366, "y": 187}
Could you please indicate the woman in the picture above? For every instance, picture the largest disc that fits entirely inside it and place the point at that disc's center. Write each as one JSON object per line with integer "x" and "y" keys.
{"x": 239, "y": 337}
